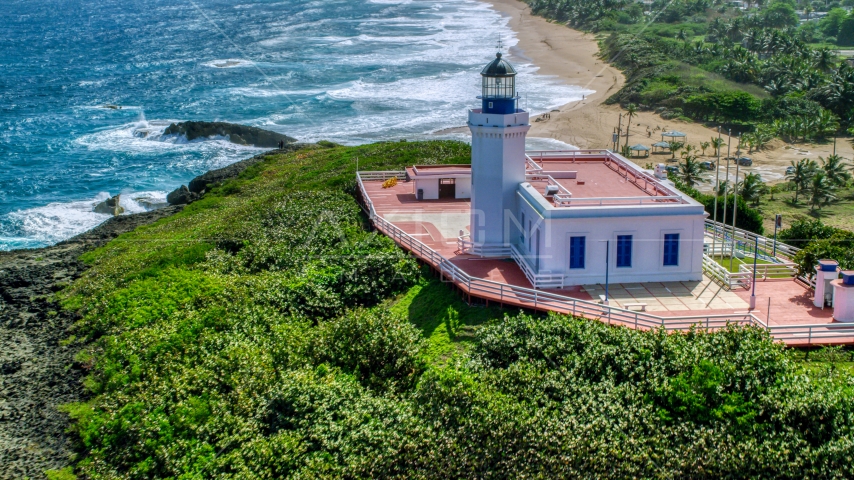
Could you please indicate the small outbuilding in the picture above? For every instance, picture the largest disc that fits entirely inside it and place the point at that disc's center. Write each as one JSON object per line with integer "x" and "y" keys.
{"x": 432, "y": 182}
{"x": 661, "y": 145}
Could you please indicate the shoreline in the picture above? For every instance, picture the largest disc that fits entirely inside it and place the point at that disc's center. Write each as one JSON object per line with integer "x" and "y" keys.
{"x": 572, "y": 56}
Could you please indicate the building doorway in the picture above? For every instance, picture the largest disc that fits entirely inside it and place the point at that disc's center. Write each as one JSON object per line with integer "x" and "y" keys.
{"x": 447, "y": 188}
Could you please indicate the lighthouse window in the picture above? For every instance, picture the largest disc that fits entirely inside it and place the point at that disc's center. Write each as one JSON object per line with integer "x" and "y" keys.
{"x": 499, "y": 87}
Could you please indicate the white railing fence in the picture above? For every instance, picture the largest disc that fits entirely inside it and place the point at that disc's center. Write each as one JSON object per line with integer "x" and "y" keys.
{"x": 383, "y": 175}
{"x": 744, "y": 241}
{"x": 539, "y": 300}
{"x": 465, "y": 245}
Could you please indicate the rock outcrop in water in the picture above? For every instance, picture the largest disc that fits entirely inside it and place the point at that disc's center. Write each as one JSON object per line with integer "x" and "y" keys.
{"x": 110, "y": 206}
{"x": 239, "y": 134}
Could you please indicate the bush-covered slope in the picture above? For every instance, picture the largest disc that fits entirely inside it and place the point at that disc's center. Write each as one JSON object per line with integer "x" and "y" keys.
{"x": 264, "y": 332}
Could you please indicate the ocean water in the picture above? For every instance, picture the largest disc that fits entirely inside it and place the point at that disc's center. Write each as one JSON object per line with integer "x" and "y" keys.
{"x": 351, "y": 71}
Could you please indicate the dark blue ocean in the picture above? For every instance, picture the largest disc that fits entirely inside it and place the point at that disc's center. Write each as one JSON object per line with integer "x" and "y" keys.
{"x": 348, "y": 71}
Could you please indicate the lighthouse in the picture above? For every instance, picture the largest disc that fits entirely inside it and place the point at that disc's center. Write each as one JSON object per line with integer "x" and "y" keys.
{"x": 498, "y": 131}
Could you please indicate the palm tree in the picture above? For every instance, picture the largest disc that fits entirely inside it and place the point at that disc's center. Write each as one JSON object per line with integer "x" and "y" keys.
{"x": 675, "y": 147}
{"x": 717, "y": 143}
{"x": 632, "y": 109}
{"x": 835, "y": 169}
{"x": 820, "y": 190}
{"x": 690, "y": 171}
{"x": 751, "y": 188}
{"x": 704, "y": 146}
{"x": 802, "y": 171}
{"x": 688, "y": 149}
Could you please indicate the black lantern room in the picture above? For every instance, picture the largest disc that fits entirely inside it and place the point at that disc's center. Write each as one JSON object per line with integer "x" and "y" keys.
{"x": 499, "y": 87}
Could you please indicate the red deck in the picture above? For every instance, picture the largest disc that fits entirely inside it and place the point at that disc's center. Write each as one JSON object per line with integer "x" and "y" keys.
{"x": 436, "y": 223}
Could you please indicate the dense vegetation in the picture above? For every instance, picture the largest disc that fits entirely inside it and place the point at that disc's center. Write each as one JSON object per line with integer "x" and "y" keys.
{"x": 264, "y": 332}
{"x": 758, "y": 71}
{"x": 819, "y": 241}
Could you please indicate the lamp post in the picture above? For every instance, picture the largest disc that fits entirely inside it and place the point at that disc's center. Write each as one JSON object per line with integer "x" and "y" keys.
{"x": 726, "y": 193}
{"x": 778, "y": 222}
{"x": 717, "y": 184}
{"x": 607, "y": 256}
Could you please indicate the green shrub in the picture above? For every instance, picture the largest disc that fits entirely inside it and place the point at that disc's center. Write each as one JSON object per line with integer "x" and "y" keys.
{"x": 381, "y": 350}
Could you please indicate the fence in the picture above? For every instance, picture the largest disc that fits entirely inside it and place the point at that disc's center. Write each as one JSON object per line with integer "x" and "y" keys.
{"x": 540, "y": 300}
{"x": 744, "y": 241}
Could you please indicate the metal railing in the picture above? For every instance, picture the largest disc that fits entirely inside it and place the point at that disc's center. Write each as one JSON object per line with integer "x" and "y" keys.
{"x": 539, "y": 300}
{"x": 383, "y": 175}
{"x": 537, "y": 279}
{"x": 531, "y": 164}
{"x": 765, "y": 271}
{"x": 744, "y": 276}
{"x": 599, "y": 201}
{"x": 719, "y": 273}
{"x": 748, "y": 239}
{"x": 466, "y": 246}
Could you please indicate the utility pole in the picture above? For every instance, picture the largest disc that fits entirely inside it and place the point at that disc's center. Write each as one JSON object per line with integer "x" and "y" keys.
{"x": 726, "y": 192}
{"x": 619, "y": 132}
{"x": 734, "y": 212}
{"x": 717, "y": 184}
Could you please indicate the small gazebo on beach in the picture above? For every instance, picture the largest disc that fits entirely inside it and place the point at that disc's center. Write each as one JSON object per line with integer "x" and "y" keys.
{"x": 661, "y": 145}
{"x": 673, "y": 134}
{"x": 640, "y": 148}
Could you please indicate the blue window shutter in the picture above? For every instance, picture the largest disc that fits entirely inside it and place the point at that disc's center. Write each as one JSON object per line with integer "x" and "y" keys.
{"x": 576, "y": 252}
{"x": 671, "y": 249}
{"x": 624, "y": 250}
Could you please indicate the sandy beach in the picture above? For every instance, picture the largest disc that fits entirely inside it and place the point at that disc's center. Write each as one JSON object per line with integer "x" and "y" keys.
{"x": 573, "y": 56}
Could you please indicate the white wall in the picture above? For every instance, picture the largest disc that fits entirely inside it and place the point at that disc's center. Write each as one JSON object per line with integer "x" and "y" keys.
{"x": 647, "y": 233}
{"x": 430, "y": 187}
{"x": 498, "y": 167}
{"x": 463, "y": 187}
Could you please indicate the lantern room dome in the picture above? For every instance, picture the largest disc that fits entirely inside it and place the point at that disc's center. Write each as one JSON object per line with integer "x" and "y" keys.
{"x": 498, "y": 68}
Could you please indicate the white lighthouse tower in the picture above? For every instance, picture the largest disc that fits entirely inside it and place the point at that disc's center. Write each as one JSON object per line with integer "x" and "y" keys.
{"x": 498, "y": 132}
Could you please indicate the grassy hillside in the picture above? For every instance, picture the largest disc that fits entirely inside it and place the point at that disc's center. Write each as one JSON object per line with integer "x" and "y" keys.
{"x": 265, "y": 332}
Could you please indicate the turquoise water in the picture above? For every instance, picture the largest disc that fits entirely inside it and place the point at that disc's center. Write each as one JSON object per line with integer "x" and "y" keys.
{"x": 347, "y": 71}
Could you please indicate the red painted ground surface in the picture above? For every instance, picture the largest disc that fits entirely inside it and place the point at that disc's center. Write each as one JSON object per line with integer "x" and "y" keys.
{"x": 790, "y": 301}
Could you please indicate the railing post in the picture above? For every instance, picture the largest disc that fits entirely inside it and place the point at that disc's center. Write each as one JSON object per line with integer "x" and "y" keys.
{"x": 535, "y": 298}
{"x": 809, "y": 338}
{"x": 636, "y": 320}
